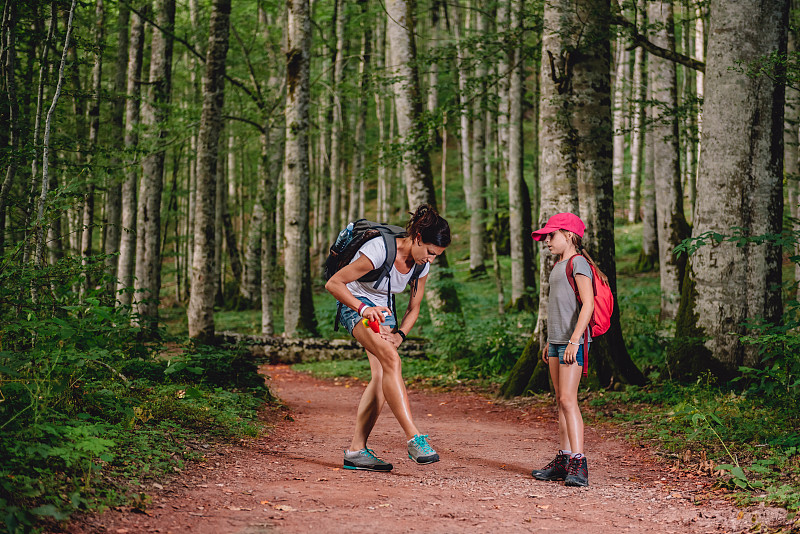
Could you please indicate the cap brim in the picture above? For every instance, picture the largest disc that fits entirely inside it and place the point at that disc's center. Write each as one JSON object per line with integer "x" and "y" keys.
{"x": 540, "y": 235}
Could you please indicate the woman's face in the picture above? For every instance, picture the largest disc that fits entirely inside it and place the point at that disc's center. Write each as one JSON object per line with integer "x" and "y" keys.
{"x": 424, "y": 252}
{"x": 557, "y": 242}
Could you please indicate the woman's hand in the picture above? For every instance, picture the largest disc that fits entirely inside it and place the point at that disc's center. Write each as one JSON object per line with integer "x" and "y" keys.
{"x": 392, "y": 337}
{"x": 545, "y": 357}
{"x": 571, "y": 353}
{"x": 376, "y": 313}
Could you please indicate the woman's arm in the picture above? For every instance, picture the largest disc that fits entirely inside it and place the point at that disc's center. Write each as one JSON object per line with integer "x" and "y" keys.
{"x": 337, "y": 286}
{"x": 411, "y": 315}
{"x": 586, "y": 292}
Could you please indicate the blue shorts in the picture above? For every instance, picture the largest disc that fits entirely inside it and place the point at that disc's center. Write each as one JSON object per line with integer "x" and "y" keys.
{"x": 557, "y": 351}
{"x": 350, "y": 318}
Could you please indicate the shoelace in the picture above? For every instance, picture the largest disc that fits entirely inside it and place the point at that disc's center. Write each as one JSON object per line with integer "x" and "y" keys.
{"x": 574, "y": 466}
{"x": 422, "y": 441}
{"x": 370, "y": 453}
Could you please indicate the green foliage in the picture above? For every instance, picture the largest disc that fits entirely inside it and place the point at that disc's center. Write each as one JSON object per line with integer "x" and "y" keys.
{"x": 88, "y": 409}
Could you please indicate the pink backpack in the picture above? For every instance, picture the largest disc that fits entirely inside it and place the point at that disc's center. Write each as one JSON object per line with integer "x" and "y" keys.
{"x": 603, "y": 307}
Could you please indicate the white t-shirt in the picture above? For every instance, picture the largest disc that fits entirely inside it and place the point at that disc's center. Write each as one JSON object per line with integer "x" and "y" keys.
{"x": 375, "y": 251}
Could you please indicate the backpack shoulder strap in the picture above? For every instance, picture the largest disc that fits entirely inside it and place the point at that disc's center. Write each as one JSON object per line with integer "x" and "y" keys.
{"x": 571, "y": 277}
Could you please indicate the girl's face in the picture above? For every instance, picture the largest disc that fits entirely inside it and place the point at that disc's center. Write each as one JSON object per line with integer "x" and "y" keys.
{"x": 424, "y": 252}
{"x": 558, "y": 242}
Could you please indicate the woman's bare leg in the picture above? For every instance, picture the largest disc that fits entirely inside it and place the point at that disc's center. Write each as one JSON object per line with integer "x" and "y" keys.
{"x": 369, "y": 408}
{"x": 393, "y": 387}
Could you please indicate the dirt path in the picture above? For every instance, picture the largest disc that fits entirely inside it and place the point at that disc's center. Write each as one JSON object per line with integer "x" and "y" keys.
{"x": 292, "y": 481}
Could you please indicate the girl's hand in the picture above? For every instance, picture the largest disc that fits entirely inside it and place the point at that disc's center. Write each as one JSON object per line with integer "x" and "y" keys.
{"x": 570, "y": 353}
{"x": 545, "y": 358}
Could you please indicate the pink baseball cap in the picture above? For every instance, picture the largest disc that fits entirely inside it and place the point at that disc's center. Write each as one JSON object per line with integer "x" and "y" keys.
{"x": 560, "y": 221}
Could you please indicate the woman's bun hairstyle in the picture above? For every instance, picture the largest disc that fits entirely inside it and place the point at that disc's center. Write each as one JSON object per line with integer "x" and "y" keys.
{"x": 427, "y": 225}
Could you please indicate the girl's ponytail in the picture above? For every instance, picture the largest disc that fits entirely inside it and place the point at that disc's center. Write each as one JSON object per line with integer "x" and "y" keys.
{"x": 426, "y": 224}
{"x": 578, "y": 242}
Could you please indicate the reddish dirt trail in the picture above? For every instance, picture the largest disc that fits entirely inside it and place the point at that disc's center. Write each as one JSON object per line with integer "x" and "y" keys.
{"x": 292, "y": 481}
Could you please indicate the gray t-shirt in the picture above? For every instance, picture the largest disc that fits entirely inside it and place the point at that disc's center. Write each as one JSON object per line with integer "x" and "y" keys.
{"x": 562, "y": 306}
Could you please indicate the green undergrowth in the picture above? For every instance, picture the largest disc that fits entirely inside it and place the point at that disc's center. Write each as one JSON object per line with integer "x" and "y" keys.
{"x": 91, "y": 414}
{"x": 750, "y": 442}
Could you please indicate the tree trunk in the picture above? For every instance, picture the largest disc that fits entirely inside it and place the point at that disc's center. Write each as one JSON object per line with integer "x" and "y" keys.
{"x": 648, "y": 258}
{"x": 113, "y": 200}
{"x": 522, "y": 280}
{"x": 477, "y": 201}
{"x": 417, "y": 175}
{"x": 337, "y": 185}
{"x": 298, "y": 306}
{"x": 621, "y": 70}
{"x": 670, "y": 221}
{"x": 200, "y": 313}
{"x": 127, "y": 245}
{"x": 380, "y": 113}
{"x": 8, "y": 59}
{"x": 463, "y": 101}
{"x": 637, "y": 126}
{"x": 94, "y": 134}
{"x": 361, "y": 108}
{"x": 740, "y": 185}
{"x": 791, "y": 164}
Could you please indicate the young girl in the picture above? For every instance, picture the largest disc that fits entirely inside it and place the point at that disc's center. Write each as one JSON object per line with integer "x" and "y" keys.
{"x": 428, "y": 235}
{"x": 566, "y": 326}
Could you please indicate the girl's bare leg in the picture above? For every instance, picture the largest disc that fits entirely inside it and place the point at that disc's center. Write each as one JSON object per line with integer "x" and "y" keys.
{"x": 392, "y": 385}
{"x": 369, "y": 408}
{"x": 569, "y": 377}
{"x": 563, "y": 436}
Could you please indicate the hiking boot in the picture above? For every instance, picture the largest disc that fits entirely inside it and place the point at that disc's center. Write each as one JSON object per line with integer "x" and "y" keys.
{"x": 577, "y": 472}
{"x": 555, "y": 470}
{"x": 365, "y": 460}
{"x": 420, "y": 451}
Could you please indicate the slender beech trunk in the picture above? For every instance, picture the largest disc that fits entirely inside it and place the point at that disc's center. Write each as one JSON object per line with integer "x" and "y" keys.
{"x": 648, "y": 258}
{"x": 200, "y": 313}
{"x": 361, "y": 122}
{"x": 477, "y": 201}
{"x": 337, "y": 129}
{"x": 298, "y": 306}
{"x": 700, "y": 55}
{"x": 94, "y": 134}
{"x": 621, "y": 70}
{"x": 740, "y": 185}
{"x": 417, "y": 175}
{"x": 637, "y": 127}
{"x": 522, "y": 279}
{"x": 380, "y": 113}
{"x": 463, "y": 100}
{"x": 155, "y": 112}
{"x": 670, "y": 220}
{"x": 40, "y": 222}
{"x": 127, "y": 246}
{"x": 8, "y": 58}
{"x": 113, "y": 200}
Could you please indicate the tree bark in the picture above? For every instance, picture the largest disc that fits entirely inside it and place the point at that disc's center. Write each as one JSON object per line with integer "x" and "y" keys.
{"x": 155, "y": 112}
{"x": 648, "y": 258}
{"x": 740, "y": 185}
{"x": 621, "y": 71}
{"x": 200, "y": 313}
{"x": 463, "y": 100}
{"x": 670, "y": 220}
{"x": 791, "y": 164}
{"x": 112, "y": 219}
{"x": 477, "y": 201}
{"x": 8, "y": 59}
{"x": 298, "y": 306}
{"x": 637, "y": 126}
{"x": 127, "y": 246}
{"x": 417, "y": 174}
{"x": 337, "y": 186}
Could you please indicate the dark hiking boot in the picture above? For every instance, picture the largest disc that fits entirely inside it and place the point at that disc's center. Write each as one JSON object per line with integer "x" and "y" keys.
{"x": 577, "y": 472}
{"x": 555, "y": 470}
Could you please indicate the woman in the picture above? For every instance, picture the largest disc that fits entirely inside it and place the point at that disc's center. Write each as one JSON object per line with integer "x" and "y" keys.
{"x": 427, "y": 236}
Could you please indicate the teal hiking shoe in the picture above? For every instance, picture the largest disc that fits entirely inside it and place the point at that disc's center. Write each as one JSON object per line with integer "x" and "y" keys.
{"x": 420, "y": 451}
{"x": 365, "y": 460}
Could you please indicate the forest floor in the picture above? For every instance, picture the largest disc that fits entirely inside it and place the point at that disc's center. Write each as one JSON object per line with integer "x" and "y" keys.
{"x": 292, "y": 480}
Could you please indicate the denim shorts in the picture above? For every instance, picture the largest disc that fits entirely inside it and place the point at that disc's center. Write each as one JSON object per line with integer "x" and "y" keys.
{"x": 557, "y": 351}
{"x": 350, "y": 318}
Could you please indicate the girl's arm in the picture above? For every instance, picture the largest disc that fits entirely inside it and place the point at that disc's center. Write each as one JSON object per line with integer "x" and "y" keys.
{"x": 337, "y": 286}
{"x": 411, "y": 315}
{"x": 586, "y": 292}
